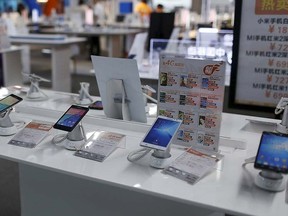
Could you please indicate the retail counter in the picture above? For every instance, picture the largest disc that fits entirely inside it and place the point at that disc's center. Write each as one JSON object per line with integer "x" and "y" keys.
{"x": 55, "y": 182}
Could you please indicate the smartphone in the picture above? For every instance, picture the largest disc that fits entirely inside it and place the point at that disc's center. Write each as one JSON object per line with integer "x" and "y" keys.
{"x": 272, "y": 152}
{"x": 96, "y": 105}
{"x": 71, "y": 118}
{"x": 8, "y": 102}
{"x": 161, "y": 133}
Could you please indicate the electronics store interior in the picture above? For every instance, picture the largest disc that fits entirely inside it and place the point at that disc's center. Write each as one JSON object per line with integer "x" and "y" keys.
{"x": 143, "y": 107}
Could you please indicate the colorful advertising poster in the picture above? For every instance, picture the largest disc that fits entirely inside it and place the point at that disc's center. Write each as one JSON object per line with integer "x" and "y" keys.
{"x": 194, "y": 94}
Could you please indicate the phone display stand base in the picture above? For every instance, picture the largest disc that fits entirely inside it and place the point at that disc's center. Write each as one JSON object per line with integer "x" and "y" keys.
{"x": 6, "y": 126}
{"x": 34, "y": 93}
{"x": 85, "y": 101}
{"x": 160, "y": 159}
{"x": 7, "y": 131}
{"x": 281, "y": 128}
{"x": 84, "y": 96}
{"x": 36, "y": 96}
{"x": 270, "y": 181}
{"x": 73, "y": 140}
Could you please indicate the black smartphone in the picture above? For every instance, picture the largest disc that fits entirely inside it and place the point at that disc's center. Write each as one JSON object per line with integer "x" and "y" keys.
{"x": 8, "y": 102}
{"x": 71, "y": 118}
{"x": 96, "y": 105}
{"x": 272, "y": 152}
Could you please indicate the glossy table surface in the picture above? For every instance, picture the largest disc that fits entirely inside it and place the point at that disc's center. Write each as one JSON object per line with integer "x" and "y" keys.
{"x": 228, "y": 189}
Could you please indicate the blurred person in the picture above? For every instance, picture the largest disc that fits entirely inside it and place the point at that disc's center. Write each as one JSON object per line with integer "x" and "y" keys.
{"x": 143, "y": 8}
{"x": 49, "y": 7}
{"x": 159, "y": 8}
{"x": 100, "y": 19}
{"x": 82, "y": 5}
{"x": 22, "y": 20}
{"x": 99, "y": 12}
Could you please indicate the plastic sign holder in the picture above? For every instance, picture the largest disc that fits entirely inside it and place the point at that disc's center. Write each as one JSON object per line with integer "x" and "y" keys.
{"x": 270, "y": 181}
{"x": 101, "y": 144}
{"x": 6, "y": 126}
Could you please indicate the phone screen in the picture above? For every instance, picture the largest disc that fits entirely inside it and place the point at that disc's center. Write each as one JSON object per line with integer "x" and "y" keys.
{"x": 273, "y": 152}
{"x": 9, "y": 101}
{"x": 161, "y": 133}
{"x": 71, "y": 118}
{"x": 96, "y": 105}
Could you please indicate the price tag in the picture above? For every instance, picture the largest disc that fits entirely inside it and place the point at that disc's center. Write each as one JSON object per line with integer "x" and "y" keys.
{"x": 100, "y": 145}
{"x": 192, "y": 165}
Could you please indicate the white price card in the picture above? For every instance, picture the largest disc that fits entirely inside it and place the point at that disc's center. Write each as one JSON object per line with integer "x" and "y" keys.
{"x": 32, "y": 134}
{"x": 100, "y": 145}
{"x": 191, "y": 166}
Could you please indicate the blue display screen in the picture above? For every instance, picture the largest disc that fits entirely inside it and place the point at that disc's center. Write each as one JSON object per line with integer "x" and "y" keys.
{"x": 162, "y": 132}
{"x": 273, "y": 152}
{"x": 125, "y": 7}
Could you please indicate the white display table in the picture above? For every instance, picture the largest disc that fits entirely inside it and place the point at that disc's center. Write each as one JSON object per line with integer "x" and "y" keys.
{"x": 61, "y": 54}
{"x": 55, "y": 182}
{"x": 12, "y": 67}
{"x": 114, "y": 36}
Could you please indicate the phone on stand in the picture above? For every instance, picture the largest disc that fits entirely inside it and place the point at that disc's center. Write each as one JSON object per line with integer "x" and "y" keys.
{"x": 71, "y": 118}
{"x": 96, "y": 105}
{"x": 8, "y": 102}
{"x": 161, "y": 133}
{"x": 272, "y": 154}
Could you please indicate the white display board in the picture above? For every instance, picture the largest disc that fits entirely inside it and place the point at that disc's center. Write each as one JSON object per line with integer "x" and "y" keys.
{"x": 192, "y": 90}
{"x": 260, "y": 67}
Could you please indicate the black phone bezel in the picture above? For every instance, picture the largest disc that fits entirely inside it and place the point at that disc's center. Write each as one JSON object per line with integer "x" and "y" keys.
{"x": 268, "y": 167}
{"x": 69, "y": 129}
{"x": 11, "y": 95}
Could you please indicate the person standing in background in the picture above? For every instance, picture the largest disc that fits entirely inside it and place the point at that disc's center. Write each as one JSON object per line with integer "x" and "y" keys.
{"x": 99, "y": 12}
{"x": 143, "y": 9}
{"x": 22, "y": 20}
{"x": 50, "y": 5}
{"x": 159, "y": 8}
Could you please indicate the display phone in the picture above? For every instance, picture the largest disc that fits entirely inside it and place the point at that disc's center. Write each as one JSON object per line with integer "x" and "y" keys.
{"x": 8, "y": 102}
{"x": 272, "y": 152}
{"x": 71, "y": 118}
{"x": 161, "y": 133}
{"x": 96, "y": 105}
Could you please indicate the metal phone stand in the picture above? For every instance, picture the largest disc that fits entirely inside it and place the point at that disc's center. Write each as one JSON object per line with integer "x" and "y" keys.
{"x": 34, "y": 92}
{"x": 159, "y": 159}
{"x": 6, "y": 126}
{"x": 84, "y": 96}
{"x": 271, "y": 181}
{"x": 75, "y": 138}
